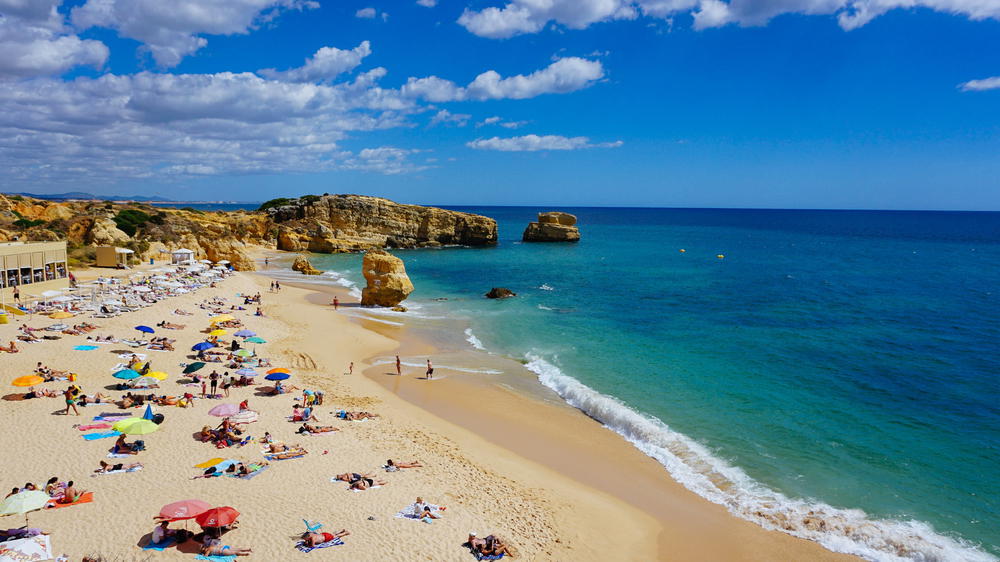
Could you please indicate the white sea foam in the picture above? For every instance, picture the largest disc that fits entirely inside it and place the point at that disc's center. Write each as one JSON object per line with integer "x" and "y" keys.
{"x": 543, "y": 307}
{"x": 386, "y": 361}
{"x": 472, "y": 339}
{"x": 546, "y": 287}
{"x": 849, "y": 531}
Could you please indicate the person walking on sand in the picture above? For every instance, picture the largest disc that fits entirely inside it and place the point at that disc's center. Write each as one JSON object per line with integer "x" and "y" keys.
{"x": 399, "y": 367}
{"x": 336, "y": 303}
{"x": 430, "y": 370}
{"x": 350, "y": 368}
{"x": 267, "y": 261}
{"x": 70, "y": 401}
{"x": 17, "y": 294}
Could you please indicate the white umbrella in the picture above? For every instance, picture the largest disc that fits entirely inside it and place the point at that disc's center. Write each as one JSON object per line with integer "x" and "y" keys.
{"x": 63, "y": 298}
{"x": 112, "y": 302}
{"x": 204, "y": 261}
{"x": 224, "y": 262}
{"x": 49, "y": 294}
{"x": 142, "y": 289}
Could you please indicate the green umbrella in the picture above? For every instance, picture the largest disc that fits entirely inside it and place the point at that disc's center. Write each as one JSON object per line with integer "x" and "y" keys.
{"x": 244, "y": 353}
{"x": 256, "y": 339}
{"x": 135, "y": 426}
{"x": 24, "y": 502}
{"x": 193, "y": 367}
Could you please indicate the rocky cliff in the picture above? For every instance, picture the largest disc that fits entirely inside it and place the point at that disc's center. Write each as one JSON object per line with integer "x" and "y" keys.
{"x": 552, "y": 227}
{"x": 325, "y": 224}
{"x": 387, "y": 282}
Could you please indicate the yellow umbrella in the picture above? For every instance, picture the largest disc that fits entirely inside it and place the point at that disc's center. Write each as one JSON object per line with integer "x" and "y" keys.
{"x": 60, "y": 315}
{"x": 135, "y": 426}
{"x": 222, "y": 318}
{"x": 28, "y": 380}
{"x": 158, "y": 375}
{"x": 218, "y": 333}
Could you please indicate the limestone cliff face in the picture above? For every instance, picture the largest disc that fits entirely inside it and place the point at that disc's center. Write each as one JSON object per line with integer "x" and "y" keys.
{"x": 387, "y": 282}
{"x": 344, "y": 223}
{"x": 327, "y": 224}
{"x": 552, "y": 227}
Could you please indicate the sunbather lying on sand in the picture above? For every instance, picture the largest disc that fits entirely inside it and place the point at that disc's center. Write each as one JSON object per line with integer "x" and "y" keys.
{"x": 360, "y": 481}
{"x": 42, "y": 392}
{"x": 180, "y": 312}
{"x": 280, "y": 447}
{"x": 313, "y": 539}
{"x": 171, "y": 326}
{"x": 93, "y": 398}
{"x": 391, "y": 466}
{"x": 108, "y": 467}
{"x": 11, "y": 348}
{"x": 355, "y": 416}
{"x": 306, "y": 428}
{"x": 214, "y": 547}
{"x": 489, "y": 546}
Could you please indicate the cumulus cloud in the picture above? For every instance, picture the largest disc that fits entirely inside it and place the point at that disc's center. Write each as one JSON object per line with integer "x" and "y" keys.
{"x": 173, "y": 30}
{"x": 531, "y": 16}
{"x": 30, "y": 50}
{"x": 387, "y": 160}
{"x": 992, "y": 83}
{"x": 560, "y": 77}
{"x": 326, "y": 64}
{"x": 533, "y": 143}
{"x": 446, "y": 117}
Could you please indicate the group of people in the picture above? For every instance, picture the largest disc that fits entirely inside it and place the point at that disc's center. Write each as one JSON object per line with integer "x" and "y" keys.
{"x": 60, "y": 492}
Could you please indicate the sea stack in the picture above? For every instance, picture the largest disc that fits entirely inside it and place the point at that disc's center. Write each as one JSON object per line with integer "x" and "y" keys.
{"x": 553, "y": 226}
{"x": 388, "y": 284}
{"x": 303, "y": 266}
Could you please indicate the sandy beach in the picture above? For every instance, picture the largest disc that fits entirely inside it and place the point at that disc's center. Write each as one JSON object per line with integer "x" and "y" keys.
{"x": 549, "y": 480}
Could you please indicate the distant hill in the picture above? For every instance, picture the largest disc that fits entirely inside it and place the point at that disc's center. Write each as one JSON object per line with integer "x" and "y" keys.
{"x": 90, "y": 196}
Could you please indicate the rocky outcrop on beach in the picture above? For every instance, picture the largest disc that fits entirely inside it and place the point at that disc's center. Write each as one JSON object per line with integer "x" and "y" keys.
{"x": 322, "y": 224}
{"x": 302, "y": 265}
{"x": 500, "y": 293}
{"x": 387, "y": 282}
{"x": 345, "y": 223}
{"x": 553, "y": 226}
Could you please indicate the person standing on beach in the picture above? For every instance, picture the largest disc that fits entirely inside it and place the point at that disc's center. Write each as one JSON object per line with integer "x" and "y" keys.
{"x": 350, "y": 368}
{"x": 203, "y": 383}
{"x": 267, "y": 262}
{"x": 430, "y": 370}
{"x": 399, "y": 367}
{"x": 17, "y": 294}
{"x": 214, "y": 379}
{"x": 336, "y": 303}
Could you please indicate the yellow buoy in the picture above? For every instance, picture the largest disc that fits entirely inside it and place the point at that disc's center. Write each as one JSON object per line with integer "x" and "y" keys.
{"x": 720, "y": 256}
{"x": 683, "y": 250}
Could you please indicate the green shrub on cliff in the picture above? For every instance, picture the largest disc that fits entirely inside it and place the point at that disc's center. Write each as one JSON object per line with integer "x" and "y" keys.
{"x": 275, "y": 203}
{"x": 129, "y": 220}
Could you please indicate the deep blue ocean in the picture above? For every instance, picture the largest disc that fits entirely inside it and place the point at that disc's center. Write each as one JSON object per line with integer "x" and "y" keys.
{"x": 835, "y": 374}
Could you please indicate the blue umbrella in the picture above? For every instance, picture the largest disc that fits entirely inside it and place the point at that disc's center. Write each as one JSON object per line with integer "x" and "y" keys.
{"x": 149, "y": 413}
{"x": 247, "y": 372}
{"x": 277, "y": 376}
{"x": 202, "y": 346}
{"x": 145, "y": 329}
{"x": 126, "y": 374}
{"x": 245, "y": 334}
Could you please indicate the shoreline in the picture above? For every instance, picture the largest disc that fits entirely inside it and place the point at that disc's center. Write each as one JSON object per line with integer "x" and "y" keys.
{"x": 564, "y": 439}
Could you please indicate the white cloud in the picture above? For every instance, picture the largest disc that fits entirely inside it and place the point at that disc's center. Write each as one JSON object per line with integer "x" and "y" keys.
{"x": 562, "y": 76}
{"x": 427, "y": 3}
{"x": 980, "y": 85}
{"x": 172, "y": 30}
{"x": 496, "y": 120}
{"x": 32, "y": 48}
{"x": 365, "y": 13}
{"x": 489, "y": 121}
{"x": 387, "y": 160}
{"x": 513, "y": 124}
{"x": 326, "y": 64}
{"x": 532, "y": 143}
{"x": 444, "y": 116}
{"x": 531, "y": 16}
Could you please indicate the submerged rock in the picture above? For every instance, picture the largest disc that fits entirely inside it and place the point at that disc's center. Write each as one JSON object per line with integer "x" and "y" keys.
{"x": 302, "y": 265}
{"x": 500, "y": 293}
{"x": 553, "y": 226}
{"x": 388, "y": 284}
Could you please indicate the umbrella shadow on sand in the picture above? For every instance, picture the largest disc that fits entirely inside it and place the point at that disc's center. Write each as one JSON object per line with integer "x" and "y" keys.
{"x": 14, "y": 397}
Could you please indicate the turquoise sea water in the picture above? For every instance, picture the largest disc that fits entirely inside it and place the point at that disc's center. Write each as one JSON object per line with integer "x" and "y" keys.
{"x": 837, "y": 374}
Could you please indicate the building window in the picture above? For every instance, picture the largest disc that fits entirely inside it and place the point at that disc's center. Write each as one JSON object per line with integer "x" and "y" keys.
{"x": 25, "y": 275}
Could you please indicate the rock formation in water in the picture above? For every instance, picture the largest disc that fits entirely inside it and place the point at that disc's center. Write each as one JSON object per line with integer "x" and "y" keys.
{"x": 388, "y": 284}
{"x": 324, "y": 224}
{"x": 302, "y": 265}
{"x": 500, "y": 293}
{"x": 552, "y": 227}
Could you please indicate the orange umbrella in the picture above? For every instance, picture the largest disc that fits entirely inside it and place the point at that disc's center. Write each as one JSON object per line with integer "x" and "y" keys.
{"x": 279, "y": 370}
{"x": 28, "y": 380}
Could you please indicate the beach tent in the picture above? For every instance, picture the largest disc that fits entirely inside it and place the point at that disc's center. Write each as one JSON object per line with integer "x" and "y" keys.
{"x": 110, "y": 256}
{"x": 182, "y": 255}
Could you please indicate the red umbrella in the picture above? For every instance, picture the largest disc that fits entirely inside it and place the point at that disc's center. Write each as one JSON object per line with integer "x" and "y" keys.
{"x": 184, "y": 509}
{"x": 217, "y": 517}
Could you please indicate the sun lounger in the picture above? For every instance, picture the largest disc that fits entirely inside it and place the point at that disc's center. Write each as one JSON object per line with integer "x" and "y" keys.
{"x": 302, "y": 546}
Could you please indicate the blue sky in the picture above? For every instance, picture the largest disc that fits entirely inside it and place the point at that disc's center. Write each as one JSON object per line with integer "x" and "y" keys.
{"x": 752, "y": 103}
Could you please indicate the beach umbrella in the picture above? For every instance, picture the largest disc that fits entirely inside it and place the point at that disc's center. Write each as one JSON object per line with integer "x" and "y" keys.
{"x": 247, "y": 372}
{"x": 135, "y": 426}
{"x": 224, "y": 262}
{"x": 144, "y": 382}
{"x": 112, "y": 302}
{"x": 243, "y": 353}
{"x": 278, "y": 370}
{"x": 193, "y": 367}
{"x": 255, "y": 339}
{"x": 245, "y": 334}
{"x": 142, "y": 289}
{"x": 28, "y": 380}
{"x": 245, "y": 416}
{"x": 202, "y": 346}
{"x": 63, "y": 298}
{"x": 24, "y": 502}
{"x": 224, "y": 410}
{"x": 60, "y": 315}
{"x": 217, "y": 333}
{"x": 158, "y": 375}
{"x": 148, "y": 414}
{"x": 204, "y": 261}
{"x": 145, "y": 329}
{"x": 50, "y": 294}
{"x": 184, "y": 509}
{"x": 222, "y": 318}
{"x": 277, "y": 376}
{"x": 217, "y": 517}
{"x": 126, "y": 374}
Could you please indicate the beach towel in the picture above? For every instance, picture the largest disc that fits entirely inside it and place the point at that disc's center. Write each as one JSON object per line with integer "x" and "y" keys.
{"x": 118, "y": 455}
{"x": 294, "y": 455}
{"x": 85, "y": 347}
{"x": 113, "y": 415}
{"x": 255, "y": 469}
{"x": 302, "y": 545}
{"x": 167, "y": 542}
{"x": 210, "y": 463}
{"x": 87, "y": 497}
{"x": 136, "y": 469}
{"x": 487, "y": 556}
{"x": 100, "y": 435}
{"x": 216, "y": 558}
{"x": 94, "y": 426}
{"x": 415, "y": 511}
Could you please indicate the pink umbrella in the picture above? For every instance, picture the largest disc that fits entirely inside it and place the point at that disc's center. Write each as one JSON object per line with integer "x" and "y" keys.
{"x": 184, "y": 509}
{"x": 224, "y": 410}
